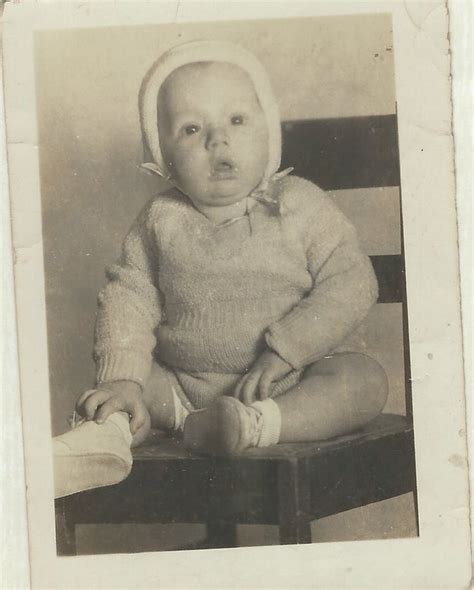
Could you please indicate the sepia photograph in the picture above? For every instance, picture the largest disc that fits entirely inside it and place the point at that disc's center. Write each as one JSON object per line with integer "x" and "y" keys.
{"x": 250, "y": 338}
{"x": 227, "y": 321}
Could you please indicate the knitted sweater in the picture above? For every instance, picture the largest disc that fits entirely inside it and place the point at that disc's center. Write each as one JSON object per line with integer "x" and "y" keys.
{"x": 206, "y": 298}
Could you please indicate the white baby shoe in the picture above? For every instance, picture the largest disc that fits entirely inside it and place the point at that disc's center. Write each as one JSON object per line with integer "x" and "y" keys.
{"x": 228, "y": 427}
{"x": 92, "y": 455}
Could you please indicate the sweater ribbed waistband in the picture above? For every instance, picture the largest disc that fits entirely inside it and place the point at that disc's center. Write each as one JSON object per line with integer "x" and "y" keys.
{"x": 227, "y": 313}
{"x": 224, "y": 337}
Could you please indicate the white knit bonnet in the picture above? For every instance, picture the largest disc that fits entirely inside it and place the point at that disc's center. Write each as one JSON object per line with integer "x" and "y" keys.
{"x": 206, "y": 51}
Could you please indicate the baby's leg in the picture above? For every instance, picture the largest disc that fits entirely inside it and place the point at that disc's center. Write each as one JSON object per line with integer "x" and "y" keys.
{"x": 162, "y": 396}
{"x": 336, "y": 395}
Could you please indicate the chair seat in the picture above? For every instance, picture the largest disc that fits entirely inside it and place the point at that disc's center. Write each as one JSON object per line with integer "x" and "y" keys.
{"x": 168, "y": 484}
{"x": 159, "y": 447}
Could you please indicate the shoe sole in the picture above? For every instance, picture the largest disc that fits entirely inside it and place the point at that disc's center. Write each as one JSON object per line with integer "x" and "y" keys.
{"x": 79, "y": 473}
{"x": 201, "y": 435}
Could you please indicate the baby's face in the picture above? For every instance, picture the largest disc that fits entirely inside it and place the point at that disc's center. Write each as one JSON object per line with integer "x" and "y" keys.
{"x": 213, "y": 132}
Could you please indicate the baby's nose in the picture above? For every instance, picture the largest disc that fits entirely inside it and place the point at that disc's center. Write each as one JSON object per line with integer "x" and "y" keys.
{"x": 216, "y": 136}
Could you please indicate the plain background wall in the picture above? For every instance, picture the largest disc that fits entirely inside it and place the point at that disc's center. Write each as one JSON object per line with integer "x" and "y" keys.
{"x": 90, "y": 151}
{"x": 90, "y": 148}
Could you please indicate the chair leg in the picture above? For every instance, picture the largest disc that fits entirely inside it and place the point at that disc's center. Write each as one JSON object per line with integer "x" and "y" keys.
{"x": 415, "y": 506}
{"x": 221, "y": 535}
{"x": 295, "y": 533}
{"x": 65, "y": 529}
{"x": 293, "y": 503}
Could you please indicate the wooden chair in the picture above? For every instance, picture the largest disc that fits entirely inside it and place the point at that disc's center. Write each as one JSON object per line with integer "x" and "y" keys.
{"x": 287, "y": 485}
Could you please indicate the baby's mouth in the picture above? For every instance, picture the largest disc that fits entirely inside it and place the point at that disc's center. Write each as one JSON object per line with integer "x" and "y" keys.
{"x": 223, "y": 169}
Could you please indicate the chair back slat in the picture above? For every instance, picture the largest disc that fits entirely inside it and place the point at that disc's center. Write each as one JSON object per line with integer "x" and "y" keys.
{"x": 389, "y": 272}
{"x": 350, "y": 152}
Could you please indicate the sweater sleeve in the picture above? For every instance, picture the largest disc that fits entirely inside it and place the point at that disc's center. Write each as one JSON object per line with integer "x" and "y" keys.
{"x": 344, "y": 289}
{"x": 129, "y": 310}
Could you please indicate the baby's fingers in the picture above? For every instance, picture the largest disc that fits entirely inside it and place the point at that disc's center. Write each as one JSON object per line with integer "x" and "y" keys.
{"x": 239, "y": 386}
{"x": 89, "y": 407}
{"x": 140, "y": 419}
{"x": 249, "y": 388}
{"x": 113, "y": 404}
{"x": 81, "y": 401}
{"x": 264, "y": 386}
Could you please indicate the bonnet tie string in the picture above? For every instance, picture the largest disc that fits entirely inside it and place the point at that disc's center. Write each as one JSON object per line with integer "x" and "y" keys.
{"x": 261, "y": 194}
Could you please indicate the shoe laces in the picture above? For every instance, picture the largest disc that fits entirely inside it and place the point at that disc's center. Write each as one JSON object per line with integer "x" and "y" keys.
{"x": 255, "y": 425}
{"x": 76, "y": 420}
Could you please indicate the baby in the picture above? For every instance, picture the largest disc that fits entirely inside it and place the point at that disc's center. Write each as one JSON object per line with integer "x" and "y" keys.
{"x": 229, "y": 314}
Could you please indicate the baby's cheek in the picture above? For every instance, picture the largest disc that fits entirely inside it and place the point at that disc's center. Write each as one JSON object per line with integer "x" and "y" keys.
{"x": 188, "y": 160}
{"x": 182, "y": 165}
{"x": 255, "y": 143}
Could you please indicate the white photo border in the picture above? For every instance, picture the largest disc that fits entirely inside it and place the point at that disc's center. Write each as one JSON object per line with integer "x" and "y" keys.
{"x": 426, "y": 148}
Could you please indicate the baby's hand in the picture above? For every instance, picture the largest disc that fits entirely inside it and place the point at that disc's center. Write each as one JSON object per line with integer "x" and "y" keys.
{"x": 116, "y": 396}
{"x": 256, "y": 384}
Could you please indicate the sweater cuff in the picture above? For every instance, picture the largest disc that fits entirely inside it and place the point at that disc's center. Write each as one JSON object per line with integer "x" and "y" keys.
{"x": 277, "y": 339}
{"x": 123, "y": 366}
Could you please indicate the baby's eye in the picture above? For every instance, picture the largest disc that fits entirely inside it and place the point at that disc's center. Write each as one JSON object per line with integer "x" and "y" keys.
{"x": 191, "y": 129}
{"x": 237, "y": 120}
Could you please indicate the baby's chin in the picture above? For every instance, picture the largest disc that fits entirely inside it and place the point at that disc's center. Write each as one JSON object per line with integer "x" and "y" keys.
{"x": 222, "y": 196}
{"x": 222, "y": 200}
{"x": 217, "y": 201}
